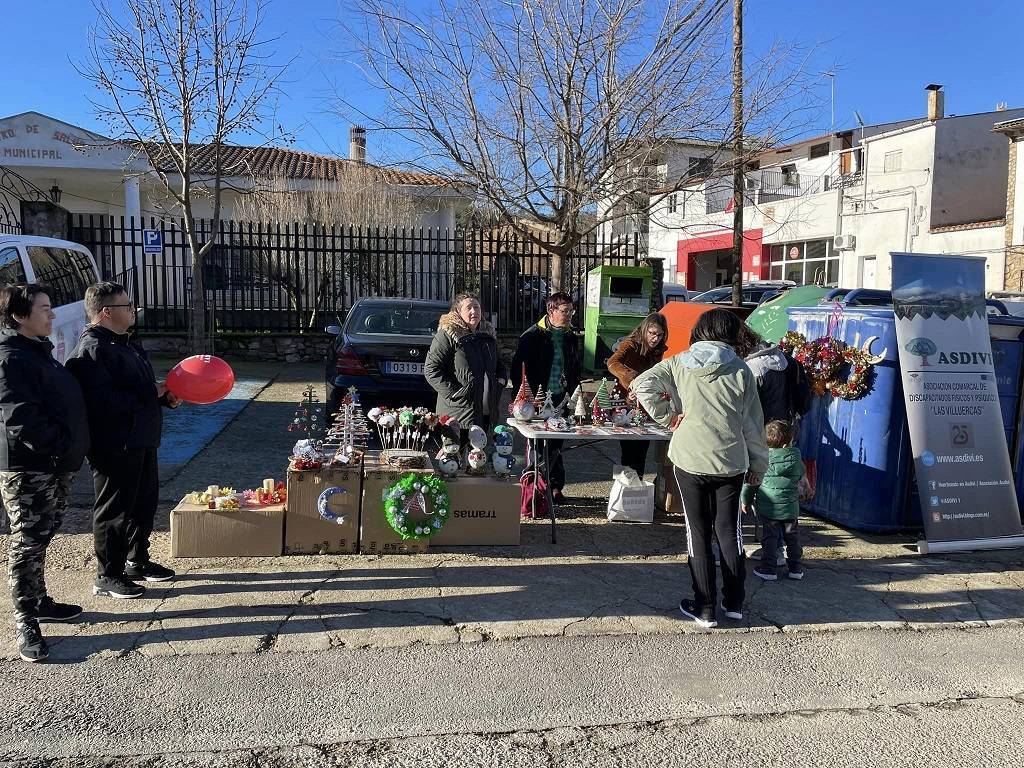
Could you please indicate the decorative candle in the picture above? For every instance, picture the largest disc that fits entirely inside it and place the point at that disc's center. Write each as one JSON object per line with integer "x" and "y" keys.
{"x": 268, "y": 485}
{"x": 213, "y": 490}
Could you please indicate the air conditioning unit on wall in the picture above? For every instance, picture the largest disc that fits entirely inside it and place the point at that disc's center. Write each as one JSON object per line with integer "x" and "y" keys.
{"x": 844, "y": 242}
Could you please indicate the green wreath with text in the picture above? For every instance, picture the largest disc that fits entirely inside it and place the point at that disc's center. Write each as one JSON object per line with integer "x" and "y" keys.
{"x": 404, "y": 516}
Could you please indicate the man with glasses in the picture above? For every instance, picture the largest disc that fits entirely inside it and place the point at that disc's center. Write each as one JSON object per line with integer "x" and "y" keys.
{"x": 550, "y": 350}
{"x": 123, "y": 401}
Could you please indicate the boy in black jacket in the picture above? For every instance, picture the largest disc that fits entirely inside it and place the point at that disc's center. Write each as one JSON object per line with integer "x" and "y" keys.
{"x": 43, "y": 441}
{"x": 123, "y": 401}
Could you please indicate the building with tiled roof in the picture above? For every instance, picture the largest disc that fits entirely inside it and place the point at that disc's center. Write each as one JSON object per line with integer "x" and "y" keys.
{"x": 281, "y": 162}
{"x": 87, "y": 173}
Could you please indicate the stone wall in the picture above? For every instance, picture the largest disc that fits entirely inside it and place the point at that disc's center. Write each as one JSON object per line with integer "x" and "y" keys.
{"x": 256, "y": 347}
{"x": 1014, "y": 269}
{"x": 263, "y": 347}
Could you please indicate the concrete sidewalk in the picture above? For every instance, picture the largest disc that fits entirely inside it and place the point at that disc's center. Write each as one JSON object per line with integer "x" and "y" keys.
{"x": 599, "y": 579}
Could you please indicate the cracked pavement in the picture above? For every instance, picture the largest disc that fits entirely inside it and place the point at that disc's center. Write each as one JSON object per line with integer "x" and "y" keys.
{"x": 566, "y": 654}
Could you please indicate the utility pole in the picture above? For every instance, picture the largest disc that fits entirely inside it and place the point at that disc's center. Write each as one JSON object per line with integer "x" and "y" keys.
{"x": 737, "y": 151}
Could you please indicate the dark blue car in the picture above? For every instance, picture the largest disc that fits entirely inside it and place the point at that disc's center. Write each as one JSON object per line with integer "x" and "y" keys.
{"x": 380, "y": 351}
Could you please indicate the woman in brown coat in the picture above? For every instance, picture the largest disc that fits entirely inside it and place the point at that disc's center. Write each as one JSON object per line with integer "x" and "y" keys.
{"x": 635, "y": 354}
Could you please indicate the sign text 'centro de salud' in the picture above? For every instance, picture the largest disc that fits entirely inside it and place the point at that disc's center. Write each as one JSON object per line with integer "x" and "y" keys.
{"x": 32, "y": 141}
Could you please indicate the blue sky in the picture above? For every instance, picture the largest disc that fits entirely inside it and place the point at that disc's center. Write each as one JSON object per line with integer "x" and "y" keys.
{"x": 884, "y": 51}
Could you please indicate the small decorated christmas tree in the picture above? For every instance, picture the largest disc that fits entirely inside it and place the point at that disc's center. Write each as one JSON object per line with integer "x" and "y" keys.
{"x": 538, "y": 398}
{"x": 547, "y": 408}
{"x": 524, "y": 393}
{"x": 602, "y": 395}
{"x": 580, "y": 409}
{"x": 577, "y": 395}
{"x": 597, "y": 412}
{"x": 618, "y": 396}
{"x": 307, "y": 420}
{"x": 349, "y": 434}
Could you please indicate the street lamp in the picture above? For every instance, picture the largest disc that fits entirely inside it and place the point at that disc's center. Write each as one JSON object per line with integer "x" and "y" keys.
{"x": 55, "y": 193}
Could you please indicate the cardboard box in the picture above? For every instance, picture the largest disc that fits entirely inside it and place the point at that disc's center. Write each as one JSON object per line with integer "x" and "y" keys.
{"x": 200, "y": 532}
{"x": 376, "y": 537}
{"x": 305, "y": 532}
{"x": 485, "y": 511}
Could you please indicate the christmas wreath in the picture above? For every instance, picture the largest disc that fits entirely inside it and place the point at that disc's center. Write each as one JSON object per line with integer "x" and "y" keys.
{"x": 824, "y": 360}
{"x": 417, "y": 506}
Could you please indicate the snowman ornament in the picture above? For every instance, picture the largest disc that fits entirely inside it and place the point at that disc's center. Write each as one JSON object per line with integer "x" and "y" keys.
{"x": 502, "y": 460}
{"x": 449, "y": 458}
{"x": 476, "y": 460}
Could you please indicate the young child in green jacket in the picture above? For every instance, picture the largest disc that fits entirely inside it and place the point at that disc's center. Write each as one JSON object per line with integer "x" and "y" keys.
{"x": 777, "y": 502}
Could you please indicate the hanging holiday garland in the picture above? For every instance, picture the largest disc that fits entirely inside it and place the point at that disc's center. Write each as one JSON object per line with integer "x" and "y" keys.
{"x": 825, "y": 358}
{"x": 412, "y": 495}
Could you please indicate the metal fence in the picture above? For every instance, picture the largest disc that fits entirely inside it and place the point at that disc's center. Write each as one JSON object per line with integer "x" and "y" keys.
{"x": 301, "y": 277}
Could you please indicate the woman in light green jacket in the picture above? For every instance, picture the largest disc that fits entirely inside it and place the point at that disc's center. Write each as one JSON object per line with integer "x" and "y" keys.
{"x": 708, "y": 397}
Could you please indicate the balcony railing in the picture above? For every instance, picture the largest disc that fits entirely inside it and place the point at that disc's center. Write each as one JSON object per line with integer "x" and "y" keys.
{"x": 779, "y": 185}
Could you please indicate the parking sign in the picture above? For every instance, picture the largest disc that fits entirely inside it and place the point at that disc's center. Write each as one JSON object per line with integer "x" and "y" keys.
{"x": 152, "y": 241}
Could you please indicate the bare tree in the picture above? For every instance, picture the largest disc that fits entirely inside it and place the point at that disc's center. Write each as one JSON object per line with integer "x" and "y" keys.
{"x": 178, "y": 79}
{"x": 356, "y": 196}
{"x": 559, "y": 107}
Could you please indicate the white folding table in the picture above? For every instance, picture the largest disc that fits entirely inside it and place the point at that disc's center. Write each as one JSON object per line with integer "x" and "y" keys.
{"x": 537, "y": 431}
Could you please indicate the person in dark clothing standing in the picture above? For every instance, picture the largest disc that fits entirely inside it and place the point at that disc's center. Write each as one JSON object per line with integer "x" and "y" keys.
{"x": 43, "y": 443}
{"x": 644, "y": 347}
{"x": 550, "y": 349}
{"x": 782, "y": 384}
{"x": 123, "y": 401}
{"x": 464, "y": 367}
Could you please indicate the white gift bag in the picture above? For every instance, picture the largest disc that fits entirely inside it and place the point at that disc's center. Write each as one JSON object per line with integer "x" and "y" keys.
{"x": 631, "y": 499}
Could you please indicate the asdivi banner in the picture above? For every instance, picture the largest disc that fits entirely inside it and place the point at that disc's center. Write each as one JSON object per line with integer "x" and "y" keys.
{"x": 956, "y": 428}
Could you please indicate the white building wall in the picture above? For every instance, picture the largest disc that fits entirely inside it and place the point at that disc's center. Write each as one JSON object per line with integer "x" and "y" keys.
{"x": 896, "y": 213}
{"x": 885, "y": 216}
{"x": 970, "y": 169}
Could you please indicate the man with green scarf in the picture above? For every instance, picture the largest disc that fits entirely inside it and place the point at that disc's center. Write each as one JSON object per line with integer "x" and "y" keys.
{"x": 550, "y": 350}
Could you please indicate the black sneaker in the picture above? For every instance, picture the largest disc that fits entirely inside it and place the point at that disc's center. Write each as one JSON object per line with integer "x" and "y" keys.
{"x": 119, "y": 587}
{"x": 737, "y": 615}
{"x": 50, "y": 610}
{"x": 796, "y": 572}
{"x": 31, "y": 644}
{"x": 705, "y": 617}
{"x": 147, "y": 571}
{"x": 764, "y": 575}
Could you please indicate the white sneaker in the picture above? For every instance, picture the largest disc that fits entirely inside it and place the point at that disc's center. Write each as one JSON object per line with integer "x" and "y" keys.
{"x": 737, "y": 615}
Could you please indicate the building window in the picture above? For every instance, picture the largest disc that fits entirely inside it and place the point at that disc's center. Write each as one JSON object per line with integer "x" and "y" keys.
{"x": 818, "y": 150}
{"x": 805, "y": 263}
{"x": 673, "y": 202}
{"x": 894, "y": 161}
{"x": 700, "y": 167}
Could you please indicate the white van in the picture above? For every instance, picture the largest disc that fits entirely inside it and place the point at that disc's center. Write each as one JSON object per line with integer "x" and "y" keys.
{"x": 67, "y": 268}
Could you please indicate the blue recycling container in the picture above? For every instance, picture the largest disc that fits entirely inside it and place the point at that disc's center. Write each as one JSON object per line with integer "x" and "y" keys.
{"x": 864, "y": 466}
{"x": 861, "y": 447}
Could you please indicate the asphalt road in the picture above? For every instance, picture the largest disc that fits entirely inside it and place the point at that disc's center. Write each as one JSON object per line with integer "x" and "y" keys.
{"x": 947, "y": 693}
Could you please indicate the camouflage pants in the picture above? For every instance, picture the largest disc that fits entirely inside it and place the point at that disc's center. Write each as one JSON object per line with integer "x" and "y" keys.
{"x": 36, "y": 503}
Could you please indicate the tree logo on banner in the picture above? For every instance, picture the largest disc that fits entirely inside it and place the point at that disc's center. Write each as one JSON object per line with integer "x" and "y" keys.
{"x": 922, "y": 347}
